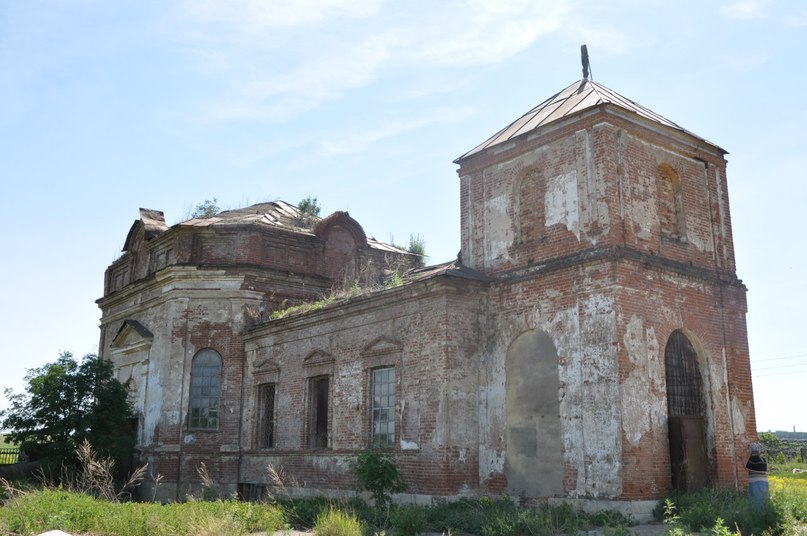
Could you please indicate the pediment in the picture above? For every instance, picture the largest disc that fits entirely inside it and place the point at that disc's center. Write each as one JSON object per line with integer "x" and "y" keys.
{"x": 266, "y": 365}
{"x": 380, "y": 346}
{"x": 341, "y": 221}
{"x": 150, "y": 224}
{"x": 131, "y": 333}
{"x": 318, "y": 357}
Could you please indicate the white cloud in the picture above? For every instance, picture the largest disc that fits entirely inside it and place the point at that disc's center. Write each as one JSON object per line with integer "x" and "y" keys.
{"x": 358, "y": 141}
{"x": 745, "y": 9}
{"x": 479, "y": 32}
{"x": 258, "y": 15}
{"x": 280, "y": 59}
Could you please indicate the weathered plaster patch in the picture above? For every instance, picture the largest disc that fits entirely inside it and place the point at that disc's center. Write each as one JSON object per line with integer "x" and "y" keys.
{"x": 491, "y": 461}
{"x": 643, "y": 206}
{"x": 499, "y": 228}
{"x": 590, "y": 397}
{"x": 409, "y": 445}
{"x": 561, "y": 202}
{"x": 643, "y": 404}
{"x": 739, "y": 414}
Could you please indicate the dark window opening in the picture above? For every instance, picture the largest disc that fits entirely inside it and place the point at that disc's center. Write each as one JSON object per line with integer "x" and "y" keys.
{"x": 266, "y": 416}
{"x": 251, "y": 492}
{"x": 318, "y": 413}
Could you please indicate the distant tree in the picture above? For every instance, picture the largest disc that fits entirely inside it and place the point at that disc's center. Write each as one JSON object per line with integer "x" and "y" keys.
{"x": 769, "y": 439}
{"x": 206, "y": 208}
{"x": 417, "y": 245}
{"x": 65, "y": 403}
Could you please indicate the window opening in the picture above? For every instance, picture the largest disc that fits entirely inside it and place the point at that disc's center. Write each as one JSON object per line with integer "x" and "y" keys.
{"x": 684, "y": 398}
{"x": 318, "y": 413}
{"x": 266, "y": 426}
{"x": 205, "y": 390}
{"x": 383, "y": 410}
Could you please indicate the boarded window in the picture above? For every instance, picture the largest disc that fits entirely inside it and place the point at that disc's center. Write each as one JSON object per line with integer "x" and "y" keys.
{"x": 383, "y": 408}
{"x": 205, "y": 390}
{"x": 266, "y": 416}
{"x": 318, "y": 412}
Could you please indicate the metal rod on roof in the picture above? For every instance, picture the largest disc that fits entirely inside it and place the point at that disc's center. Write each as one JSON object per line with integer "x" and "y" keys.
{"x": 586, "y": 64}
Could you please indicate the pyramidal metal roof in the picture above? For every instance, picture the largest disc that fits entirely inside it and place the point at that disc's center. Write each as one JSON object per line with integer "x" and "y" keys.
{"x": 582, "y": 95}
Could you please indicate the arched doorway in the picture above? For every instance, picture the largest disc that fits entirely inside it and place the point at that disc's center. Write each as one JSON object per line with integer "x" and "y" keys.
{"x": 686, "y": 414}
{"x": 534, "y": 459}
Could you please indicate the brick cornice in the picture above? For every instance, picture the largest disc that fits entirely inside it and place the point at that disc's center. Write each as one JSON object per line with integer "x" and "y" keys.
{"x": 618, "y": 254}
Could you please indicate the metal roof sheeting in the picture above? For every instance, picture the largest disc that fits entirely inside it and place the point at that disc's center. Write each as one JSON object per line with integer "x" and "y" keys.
{"x": 275, "y": 214}
{"x": 582, "y": 95}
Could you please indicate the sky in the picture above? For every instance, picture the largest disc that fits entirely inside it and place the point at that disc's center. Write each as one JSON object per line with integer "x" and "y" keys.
{"x": 106, "y": 107}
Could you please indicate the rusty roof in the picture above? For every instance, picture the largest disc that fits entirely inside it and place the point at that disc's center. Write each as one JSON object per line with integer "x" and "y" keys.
{"x": 274, "y": 213}
{"x": 453, "y": 268}
{"x": 277, "y": 214}
{"x": 582, "y": 95}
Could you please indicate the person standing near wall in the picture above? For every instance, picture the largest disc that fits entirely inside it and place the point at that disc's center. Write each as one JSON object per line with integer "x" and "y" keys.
{"x": 757, "y": 475}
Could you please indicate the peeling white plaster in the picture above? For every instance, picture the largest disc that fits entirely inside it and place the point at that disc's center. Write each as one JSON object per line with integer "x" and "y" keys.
{"x": 589, "y": 395}
{"x": 499, "y": 228}
{"x": 739, "y": 414}
{"x": 491, "y": 461}
{"x": 561, "y": 202}
{"x": 643, "y": 404}
{"x": 643, "y": 206}
{"x": 409, "y": 445}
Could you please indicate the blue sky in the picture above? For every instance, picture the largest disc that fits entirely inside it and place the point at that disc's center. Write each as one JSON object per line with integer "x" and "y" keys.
{"x": 106, "y": 107}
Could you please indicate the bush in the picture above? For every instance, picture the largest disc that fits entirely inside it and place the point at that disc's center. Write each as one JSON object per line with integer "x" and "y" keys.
{"x": 408, "y": 520}
{"x": 378, "y": 474}
{"x": 335, "y": 522}
{"x": 302, "y": 514}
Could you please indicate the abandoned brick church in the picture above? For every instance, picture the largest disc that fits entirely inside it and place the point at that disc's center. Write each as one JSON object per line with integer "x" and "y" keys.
{"x": 588, "y": 344}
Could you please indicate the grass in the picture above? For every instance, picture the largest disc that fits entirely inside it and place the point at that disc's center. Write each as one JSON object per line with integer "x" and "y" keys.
{"x": 57, "y": 509}
{"x": 338, "y": 522}
{"x": 53, "y": 509}
{"x": 5, "y": 443}
{"x": 82, "y": 506}
{"x": 718, "y": 513}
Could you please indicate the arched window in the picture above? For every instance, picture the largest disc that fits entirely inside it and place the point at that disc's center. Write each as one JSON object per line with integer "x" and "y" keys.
{"x": 205, "y": 390}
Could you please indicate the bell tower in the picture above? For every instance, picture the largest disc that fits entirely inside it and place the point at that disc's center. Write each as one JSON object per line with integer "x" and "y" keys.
{"x": 606, "y": 226}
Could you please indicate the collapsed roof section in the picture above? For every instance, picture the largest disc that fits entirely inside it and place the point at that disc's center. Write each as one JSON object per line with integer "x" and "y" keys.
{"x": 276, "y": 214}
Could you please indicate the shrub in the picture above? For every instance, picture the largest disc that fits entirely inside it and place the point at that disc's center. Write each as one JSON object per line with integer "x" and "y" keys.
{"x": 408, "y": 520}
{"x": 336, "y": 522}
{"x": 378, "y": 474}
{"x": 303, "y": 513}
